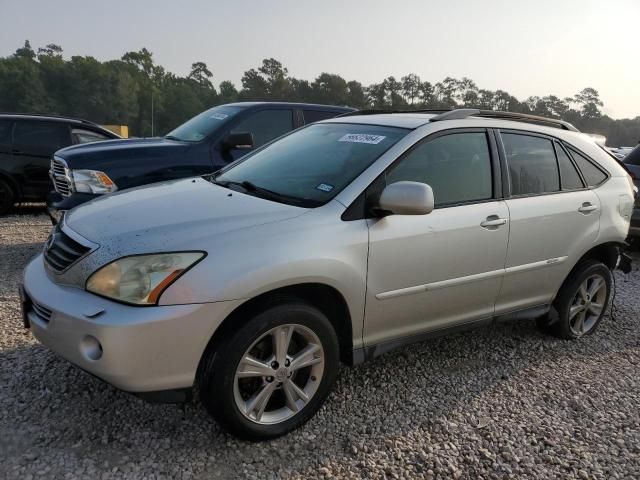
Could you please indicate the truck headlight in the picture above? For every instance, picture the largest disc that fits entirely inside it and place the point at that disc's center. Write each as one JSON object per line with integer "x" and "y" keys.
{"x": 92, "y": 181}
{"x": 141, "y": 279}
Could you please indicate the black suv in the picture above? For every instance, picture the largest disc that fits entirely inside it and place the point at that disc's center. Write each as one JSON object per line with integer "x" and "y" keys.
{"x": 202, "y": 145}
{"x": 26, "y": 145}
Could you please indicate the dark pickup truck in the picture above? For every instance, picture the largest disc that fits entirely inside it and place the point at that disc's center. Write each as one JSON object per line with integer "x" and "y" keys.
{"x": 202, "y": 145}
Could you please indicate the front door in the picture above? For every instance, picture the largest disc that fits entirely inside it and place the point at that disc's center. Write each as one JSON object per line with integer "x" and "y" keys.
{"x": 265, "y": 125}
{"x": 428, "y": 272}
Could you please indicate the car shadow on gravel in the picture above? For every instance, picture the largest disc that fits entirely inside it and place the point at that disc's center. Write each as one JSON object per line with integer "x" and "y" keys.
{"x": 51, "y": 407}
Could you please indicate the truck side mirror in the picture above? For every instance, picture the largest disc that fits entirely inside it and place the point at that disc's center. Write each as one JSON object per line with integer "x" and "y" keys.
{"x": 238, "y": 141}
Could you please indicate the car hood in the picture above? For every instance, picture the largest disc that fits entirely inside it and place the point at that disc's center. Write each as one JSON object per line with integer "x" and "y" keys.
{"x": 171, "y": 215}
{"x": 108, "y": 152}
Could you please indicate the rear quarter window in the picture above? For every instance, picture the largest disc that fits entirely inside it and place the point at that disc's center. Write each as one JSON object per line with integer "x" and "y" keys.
{"x": 593, "y": 175}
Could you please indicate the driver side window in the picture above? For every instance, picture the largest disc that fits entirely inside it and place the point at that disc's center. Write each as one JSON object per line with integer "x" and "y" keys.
{"x": 266, "y": 125}
{"x": 456, "y": 166}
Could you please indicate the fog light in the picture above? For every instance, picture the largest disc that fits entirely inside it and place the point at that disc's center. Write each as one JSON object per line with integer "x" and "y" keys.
{"x": 91, "y": 348}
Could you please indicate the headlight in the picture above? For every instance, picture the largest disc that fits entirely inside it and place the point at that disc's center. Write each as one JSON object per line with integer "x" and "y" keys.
{"x": 141, "y": 279}
{"x": 92, "y": 181}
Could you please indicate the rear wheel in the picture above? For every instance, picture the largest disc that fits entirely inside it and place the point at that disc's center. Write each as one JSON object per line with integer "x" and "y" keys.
{"x": 272, "y": 374}
{"x": 581, "y": 302}
{"x": 7, "y": 197}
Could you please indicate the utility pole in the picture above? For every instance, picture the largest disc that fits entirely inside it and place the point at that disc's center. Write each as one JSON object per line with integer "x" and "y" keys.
{"x": 152, "y": 131}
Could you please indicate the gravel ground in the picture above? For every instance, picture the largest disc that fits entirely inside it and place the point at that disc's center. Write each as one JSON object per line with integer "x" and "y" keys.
{"x": 499, "y": 402}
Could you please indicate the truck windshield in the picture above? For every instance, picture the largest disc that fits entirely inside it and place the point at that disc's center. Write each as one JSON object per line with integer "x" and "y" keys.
{"x": 312, "y": 165}
{"x": 204, "y": 124}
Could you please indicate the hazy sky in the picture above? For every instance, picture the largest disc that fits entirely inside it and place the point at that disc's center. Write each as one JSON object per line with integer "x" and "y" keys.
{"x": 535, "y": 47}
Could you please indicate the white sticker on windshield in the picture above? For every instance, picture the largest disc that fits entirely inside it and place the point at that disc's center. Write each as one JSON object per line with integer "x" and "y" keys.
{"x": 362, "y": 138}
{"x": 325, "y": 187}
{"x": 219, "y": 116}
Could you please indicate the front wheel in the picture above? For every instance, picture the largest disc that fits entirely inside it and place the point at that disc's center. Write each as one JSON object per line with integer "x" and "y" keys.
{"x": 272, "y": 374}
{"x": 582, "y": 301}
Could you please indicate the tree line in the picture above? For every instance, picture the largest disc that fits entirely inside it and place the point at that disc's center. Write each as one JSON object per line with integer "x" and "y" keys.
{"x": 135, "y": 91}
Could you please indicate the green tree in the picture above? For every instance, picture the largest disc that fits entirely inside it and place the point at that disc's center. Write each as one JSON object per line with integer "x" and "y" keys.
{"x": 201, "y": 74}
{"x": 411, "y": 88}
{"x": 228, "y": 92}
{"x": 329, "y": 89}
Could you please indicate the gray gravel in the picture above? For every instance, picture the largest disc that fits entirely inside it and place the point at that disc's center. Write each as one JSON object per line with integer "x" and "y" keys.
{"x": 499, "y": 402}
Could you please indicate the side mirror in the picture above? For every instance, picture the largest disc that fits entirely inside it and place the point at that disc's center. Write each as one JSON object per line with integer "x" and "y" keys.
{"x": 407, "y": 198}
{"x": 238, "y": 141}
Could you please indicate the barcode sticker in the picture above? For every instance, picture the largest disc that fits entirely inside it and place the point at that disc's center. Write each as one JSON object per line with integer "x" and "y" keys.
{"x": 362, "y": 138}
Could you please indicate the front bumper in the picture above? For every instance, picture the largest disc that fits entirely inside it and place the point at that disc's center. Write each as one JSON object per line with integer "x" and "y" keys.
{"x": 57, "y": 205}
{"x": 136, "y": 349}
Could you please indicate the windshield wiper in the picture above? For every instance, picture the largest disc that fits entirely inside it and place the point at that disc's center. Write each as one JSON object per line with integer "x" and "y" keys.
{"x": 171, "y": 137}
{"x": 252, "y": 188}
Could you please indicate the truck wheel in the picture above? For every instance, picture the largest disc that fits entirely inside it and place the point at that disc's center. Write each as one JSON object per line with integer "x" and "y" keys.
{"x": 582, "y": 300}
{"x": 273, "y": 373}
{"x": 7, "y": 197}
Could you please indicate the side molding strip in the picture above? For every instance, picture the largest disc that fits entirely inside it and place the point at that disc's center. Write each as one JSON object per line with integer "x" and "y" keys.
{"x": 454, "y": 282}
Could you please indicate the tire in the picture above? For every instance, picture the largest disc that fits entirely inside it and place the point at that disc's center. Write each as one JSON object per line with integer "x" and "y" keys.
{"x": 7, "y": 197}
{"x": 233, "y": 400}
{"x": 581, "y": 302}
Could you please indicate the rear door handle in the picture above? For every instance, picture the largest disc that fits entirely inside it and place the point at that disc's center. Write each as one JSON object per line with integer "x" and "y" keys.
{"x": 493, "y": 221}
{"x": 587, "y": 207}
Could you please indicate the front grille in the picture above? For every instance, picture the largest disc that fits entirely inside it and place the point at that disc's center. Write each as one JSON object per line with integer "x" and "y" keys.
{"x": 42, "y": 312}
{"x": 61, "y": 251}
{"x": 61, "y": 177}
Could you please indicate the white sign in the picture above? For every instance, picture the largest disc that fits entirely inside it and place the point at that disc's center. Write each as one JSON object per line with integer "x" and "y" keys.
{"x": 362, "y": 138}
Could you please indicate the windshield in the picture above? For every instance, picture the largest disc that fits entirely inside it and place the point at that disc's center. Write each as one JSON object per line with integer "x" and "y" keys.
{"x": 312, "y": 165}
{"x": 204, "y": 124}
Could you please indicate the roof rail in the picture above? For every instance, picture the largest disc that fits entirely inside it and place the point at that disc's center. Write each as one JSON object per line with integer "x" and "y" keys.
{"x": 522, "y": 117}
{"x": 46, "y": 115}
{"x": 356, "y": 113}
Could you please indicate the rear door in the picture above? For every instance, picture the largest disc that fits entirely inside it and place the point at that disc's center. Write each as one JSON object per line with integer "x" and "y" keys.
{"x": 311, "y": 116}
{"x": 554, "y": 219}
{"x": 34, "y": 142}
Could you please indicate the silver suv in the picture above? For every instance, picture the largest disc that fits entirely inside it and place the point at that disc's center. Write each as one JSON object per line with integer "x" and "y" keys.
{"x": 334, "y": 243}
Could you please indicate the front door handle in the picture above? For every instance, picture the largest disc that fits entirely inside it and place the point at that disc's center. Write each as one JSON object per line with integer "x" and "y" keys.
{"x": 493, "y": 222}
{"x": 587, "y": 207}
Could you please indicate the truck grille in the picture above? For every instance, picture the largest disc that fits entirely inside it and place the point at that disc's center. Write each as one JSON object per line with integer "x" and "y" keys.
{"x": 61, "y": 177}
{"x": 61, "y": 251}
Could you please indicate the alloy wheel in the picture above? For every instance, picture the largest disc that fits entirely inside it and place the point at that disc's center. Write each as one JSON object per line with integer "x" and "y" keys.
{"x": 588, "y": 305}
{"x": 279, "y": 374}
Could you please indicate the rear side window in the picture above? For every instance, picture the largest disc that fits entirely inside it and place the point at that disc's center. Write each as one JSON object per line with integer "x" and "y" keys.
{"x": 266, "y": 125}
{"x": 456, "y": 166}
{"x": 80, "y": 135}
{"x": 311, "y": 116}
{"x": 569, "y": 176}
{"x": 532, "y": 164}
{"x": 592, "y": 174}
{"x": 41, "y": 136}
